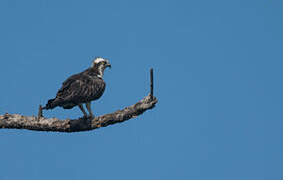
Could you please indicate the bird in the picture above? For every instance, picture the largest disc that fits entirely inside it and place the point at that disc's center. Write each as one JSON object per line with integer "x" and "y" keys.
{"x": 82, "y": 88}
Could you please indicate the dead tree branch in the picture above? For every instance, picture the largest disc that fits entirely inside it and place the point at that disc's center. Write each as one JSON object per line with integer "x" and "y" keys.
{"x": 40, "y": 123}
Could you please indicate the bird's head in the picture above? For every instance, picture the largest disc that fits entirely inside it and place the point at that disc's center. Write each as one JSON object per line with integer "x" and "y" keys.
{"x": 100, "y": 64}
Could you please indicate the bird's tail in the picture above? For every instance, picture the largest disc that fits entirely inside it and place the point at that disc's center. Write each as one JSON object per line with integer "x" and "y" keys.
{"x": 50, "y": 104}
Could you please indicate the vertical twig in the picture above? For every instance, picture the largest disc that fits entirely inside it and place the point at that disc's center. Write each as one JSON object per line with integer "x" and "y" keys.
{"x": 39, "y": 115}
{"x": 151, "y": 83}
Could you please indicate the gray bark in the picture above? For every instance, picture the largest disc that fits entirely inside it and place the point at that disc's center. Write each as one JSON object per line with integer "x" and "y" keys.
{"x": 17, "y": 121}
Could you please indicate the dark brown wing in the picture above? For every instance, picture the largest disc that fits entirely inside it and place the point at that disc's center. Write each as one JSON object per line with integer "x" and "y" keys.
{"x": 77, "y": 89}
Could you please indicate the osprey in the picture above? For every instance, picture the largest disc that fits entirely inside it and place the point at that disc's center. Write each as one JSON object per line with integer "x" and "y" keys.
{"x": 82, "y": 88}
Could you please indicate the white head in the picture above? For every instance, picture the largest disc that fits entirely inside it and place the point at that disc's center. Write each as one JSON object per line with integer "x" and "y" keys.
{"x": 100, "y": 64}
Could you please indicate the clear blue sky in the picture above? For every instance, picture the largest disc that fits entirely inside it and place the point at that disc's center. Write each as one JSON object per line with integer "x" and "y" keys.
{"x": 218, "y": 73}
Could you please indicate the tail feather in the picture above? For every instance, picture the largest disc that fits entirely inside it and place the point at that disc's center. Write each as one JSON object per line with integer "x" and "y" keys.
{"x": 50, "y": 104}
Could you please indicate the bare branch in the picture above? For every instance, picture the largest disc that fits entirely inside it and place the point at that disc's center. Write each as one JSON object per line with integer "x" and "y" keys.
{"x": 151, "y": 82}
{"x": 40, "y": 123}
{"x": 16, "y": 121}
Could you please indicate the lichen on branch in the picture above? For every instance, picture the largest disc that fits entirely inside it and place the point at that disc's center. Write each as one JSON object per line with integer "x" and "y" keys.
{"x": 16, "y": 121}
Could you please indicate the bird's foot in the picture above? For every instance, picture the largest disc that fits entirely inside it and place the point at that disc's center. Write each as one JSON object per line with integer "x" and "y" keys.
{"x": 91, "y": 116}
{"x": 88, "y": 117}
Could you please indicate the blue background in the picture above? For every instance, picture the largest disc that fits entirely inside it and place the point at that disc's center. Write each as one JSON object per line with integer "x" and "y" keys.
{"x": 218, "y": 73}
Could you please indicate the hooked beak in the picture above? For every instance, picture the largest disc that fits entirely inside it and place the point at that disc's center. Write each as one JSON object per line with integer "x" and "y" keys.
{"x": 108, "y": 65}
